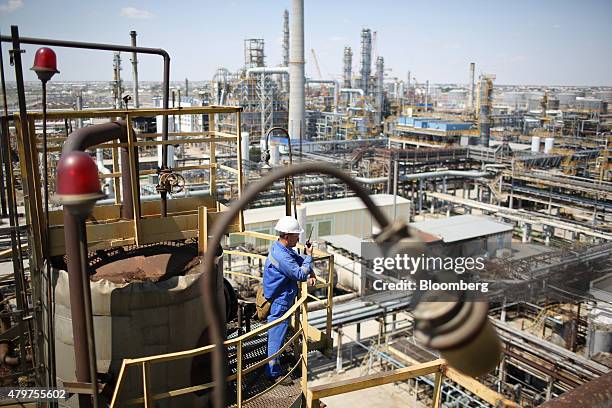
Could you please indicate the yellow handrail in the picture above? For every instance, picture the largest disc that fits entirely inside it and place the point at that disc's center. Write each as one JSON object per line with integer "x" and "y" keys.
{"x": 207, "y": 349}
{"x": 303, "y": 330}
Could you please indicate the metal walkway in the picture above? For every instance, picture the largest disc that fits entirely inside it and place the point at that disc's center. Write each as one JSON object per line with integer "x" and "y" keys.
{"x": 256, "y": 382}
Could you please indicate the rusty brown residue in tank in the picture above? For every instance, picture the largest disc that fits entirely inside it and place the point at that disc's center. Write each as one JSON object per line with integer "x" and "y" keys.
{"x": 593, "y": 394}
{"x": 146, "y": 264}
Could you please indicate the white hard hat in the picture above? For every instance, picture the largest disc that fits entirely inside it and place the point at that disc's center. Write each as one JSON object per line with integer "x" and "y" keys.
{"x": 288, "y": 225}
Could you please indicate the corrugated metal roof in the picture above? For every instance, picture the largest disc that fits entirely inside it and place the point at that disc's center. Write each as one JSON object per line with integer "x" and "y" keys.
{"x": 461, "y": 227}
{"x": 268, "y": 214}
{"x": 346, "y": 242}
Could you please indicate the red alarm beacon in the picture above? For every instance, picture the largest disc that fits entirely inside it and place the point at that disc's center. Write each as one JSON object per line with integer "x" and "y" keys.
{"x": 78, "y": 184}
{"x": 45, "y": 64}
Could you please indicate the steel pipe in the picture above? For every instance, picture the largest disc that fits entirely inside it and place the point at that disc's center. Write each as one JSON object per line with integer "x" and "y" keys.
{"x": 84, "y": 138}
{"x": 328, "y": 81}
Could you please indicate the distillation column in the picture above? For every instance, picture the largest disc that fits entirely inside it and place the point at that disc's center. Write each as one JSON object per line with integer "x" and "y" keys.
{"x": 486, "y": 100}
{"x": 348, "y": 63}
{"x": 296, "y": 71}
{"x": 380, "y": 73}
{"x": 472, "y": 86}
{"x": 366, "y": 59}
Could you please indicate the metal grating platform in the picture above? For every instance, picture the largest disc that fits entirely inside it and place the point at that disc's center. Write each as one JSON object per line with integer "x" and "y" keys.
{"x": 256, "y": 382}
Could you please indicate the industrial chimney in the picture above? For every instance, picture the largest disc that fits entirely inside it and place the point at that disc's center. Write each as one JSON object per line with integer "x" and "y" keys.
{"x": 285, "y": 80}
{"x": 296, "y": 71}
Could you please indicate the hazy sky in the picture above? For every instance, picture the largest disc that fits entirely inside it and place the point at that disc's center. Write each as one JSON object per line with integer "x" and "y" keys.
{"x": 551, "y": 42}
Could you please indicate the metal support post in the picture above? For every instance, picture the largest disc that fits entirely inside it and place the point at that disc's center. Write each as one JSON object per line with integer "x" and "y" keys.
{"x": 339, "y": 350}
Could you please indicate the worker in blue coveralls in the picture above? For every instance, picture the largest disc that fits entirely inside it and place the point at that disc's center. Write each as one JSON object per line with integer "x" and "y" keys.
{"x": 283, "y": 269}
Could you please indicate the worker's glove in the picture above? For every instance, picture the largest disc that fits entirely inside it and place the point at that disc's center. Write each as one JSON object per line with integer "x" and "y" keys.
{"x": 308, "y": 250}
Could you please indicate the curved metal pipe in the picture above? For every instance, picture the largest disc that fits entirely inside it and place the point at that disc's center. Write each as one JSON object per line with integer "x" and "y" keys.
{"x": 268, "y": 71}
{"x": 212, "y": 309}
{"x": 267, "y": 153}
{"x": 122, "y": 48}
{"x": 84, "y": 138}
{"x": 328, "y": 81}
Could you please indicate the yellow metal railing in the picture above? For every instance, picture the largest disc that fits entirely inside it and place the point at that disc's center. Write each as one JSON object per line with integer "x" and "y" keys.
{"x": 109, "y": 229}
{"x": 145, "y": 363}
{"x": 298, "y": 313}
{"x": 436, "y": 367}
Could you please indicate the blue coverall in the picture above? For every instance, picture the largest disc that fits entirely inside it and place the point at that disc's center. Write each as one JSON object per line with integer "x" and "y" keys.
{"x": 283, "y": 269}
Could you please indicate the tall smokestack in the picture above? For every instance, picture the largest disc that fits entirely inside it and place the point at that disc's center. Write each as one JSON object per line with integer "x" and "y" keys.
{"x": 348, "y": 67}
{"x": 117, "y": 84}
{"x": 79, "y": 107}
{"x": 380, "y": 73}
{"x": 186, "y": 87}
{"x": 135, "y": 71}
{"x": 366, "y": 58}
{"x": 471, "y": 88}
{"x": 284, "y": 79}
{"x": 296, "y": 71}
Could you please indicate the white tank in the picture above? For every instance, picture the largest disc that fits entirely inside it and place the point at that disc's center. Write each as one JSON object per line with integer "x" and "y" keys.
{"x": 274, "y": 155}
{"x": 245, "y": 146}
{"x": 549, "y": 142}
{"x": 535, "y": 144}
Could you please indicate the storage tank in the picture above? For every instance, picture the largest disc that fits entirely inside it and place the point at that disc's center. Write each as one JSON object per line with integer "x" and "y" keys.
{"x": 274, "y": 155}
{"x": 549, "y": 142}
{"x": 599, "y": 338}
{"x": 145, "y": 301}
{"x": 604, "y": 95}
{"x": 244, "y": 146}
{"x": 566, "y": 99}
{"x": 535, "y": 144}
{"x": 552, "y": 104}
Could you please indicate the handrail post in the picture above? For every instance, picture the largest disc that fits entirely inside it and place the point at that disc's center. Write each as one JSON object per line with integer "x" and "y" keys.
{"x": 239, "y": 373}
{"x": 146, "y": 385}
{"x": 304, "y": 328}
{"x": 330, "y": 303}
{"x": 437, "y": 394}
